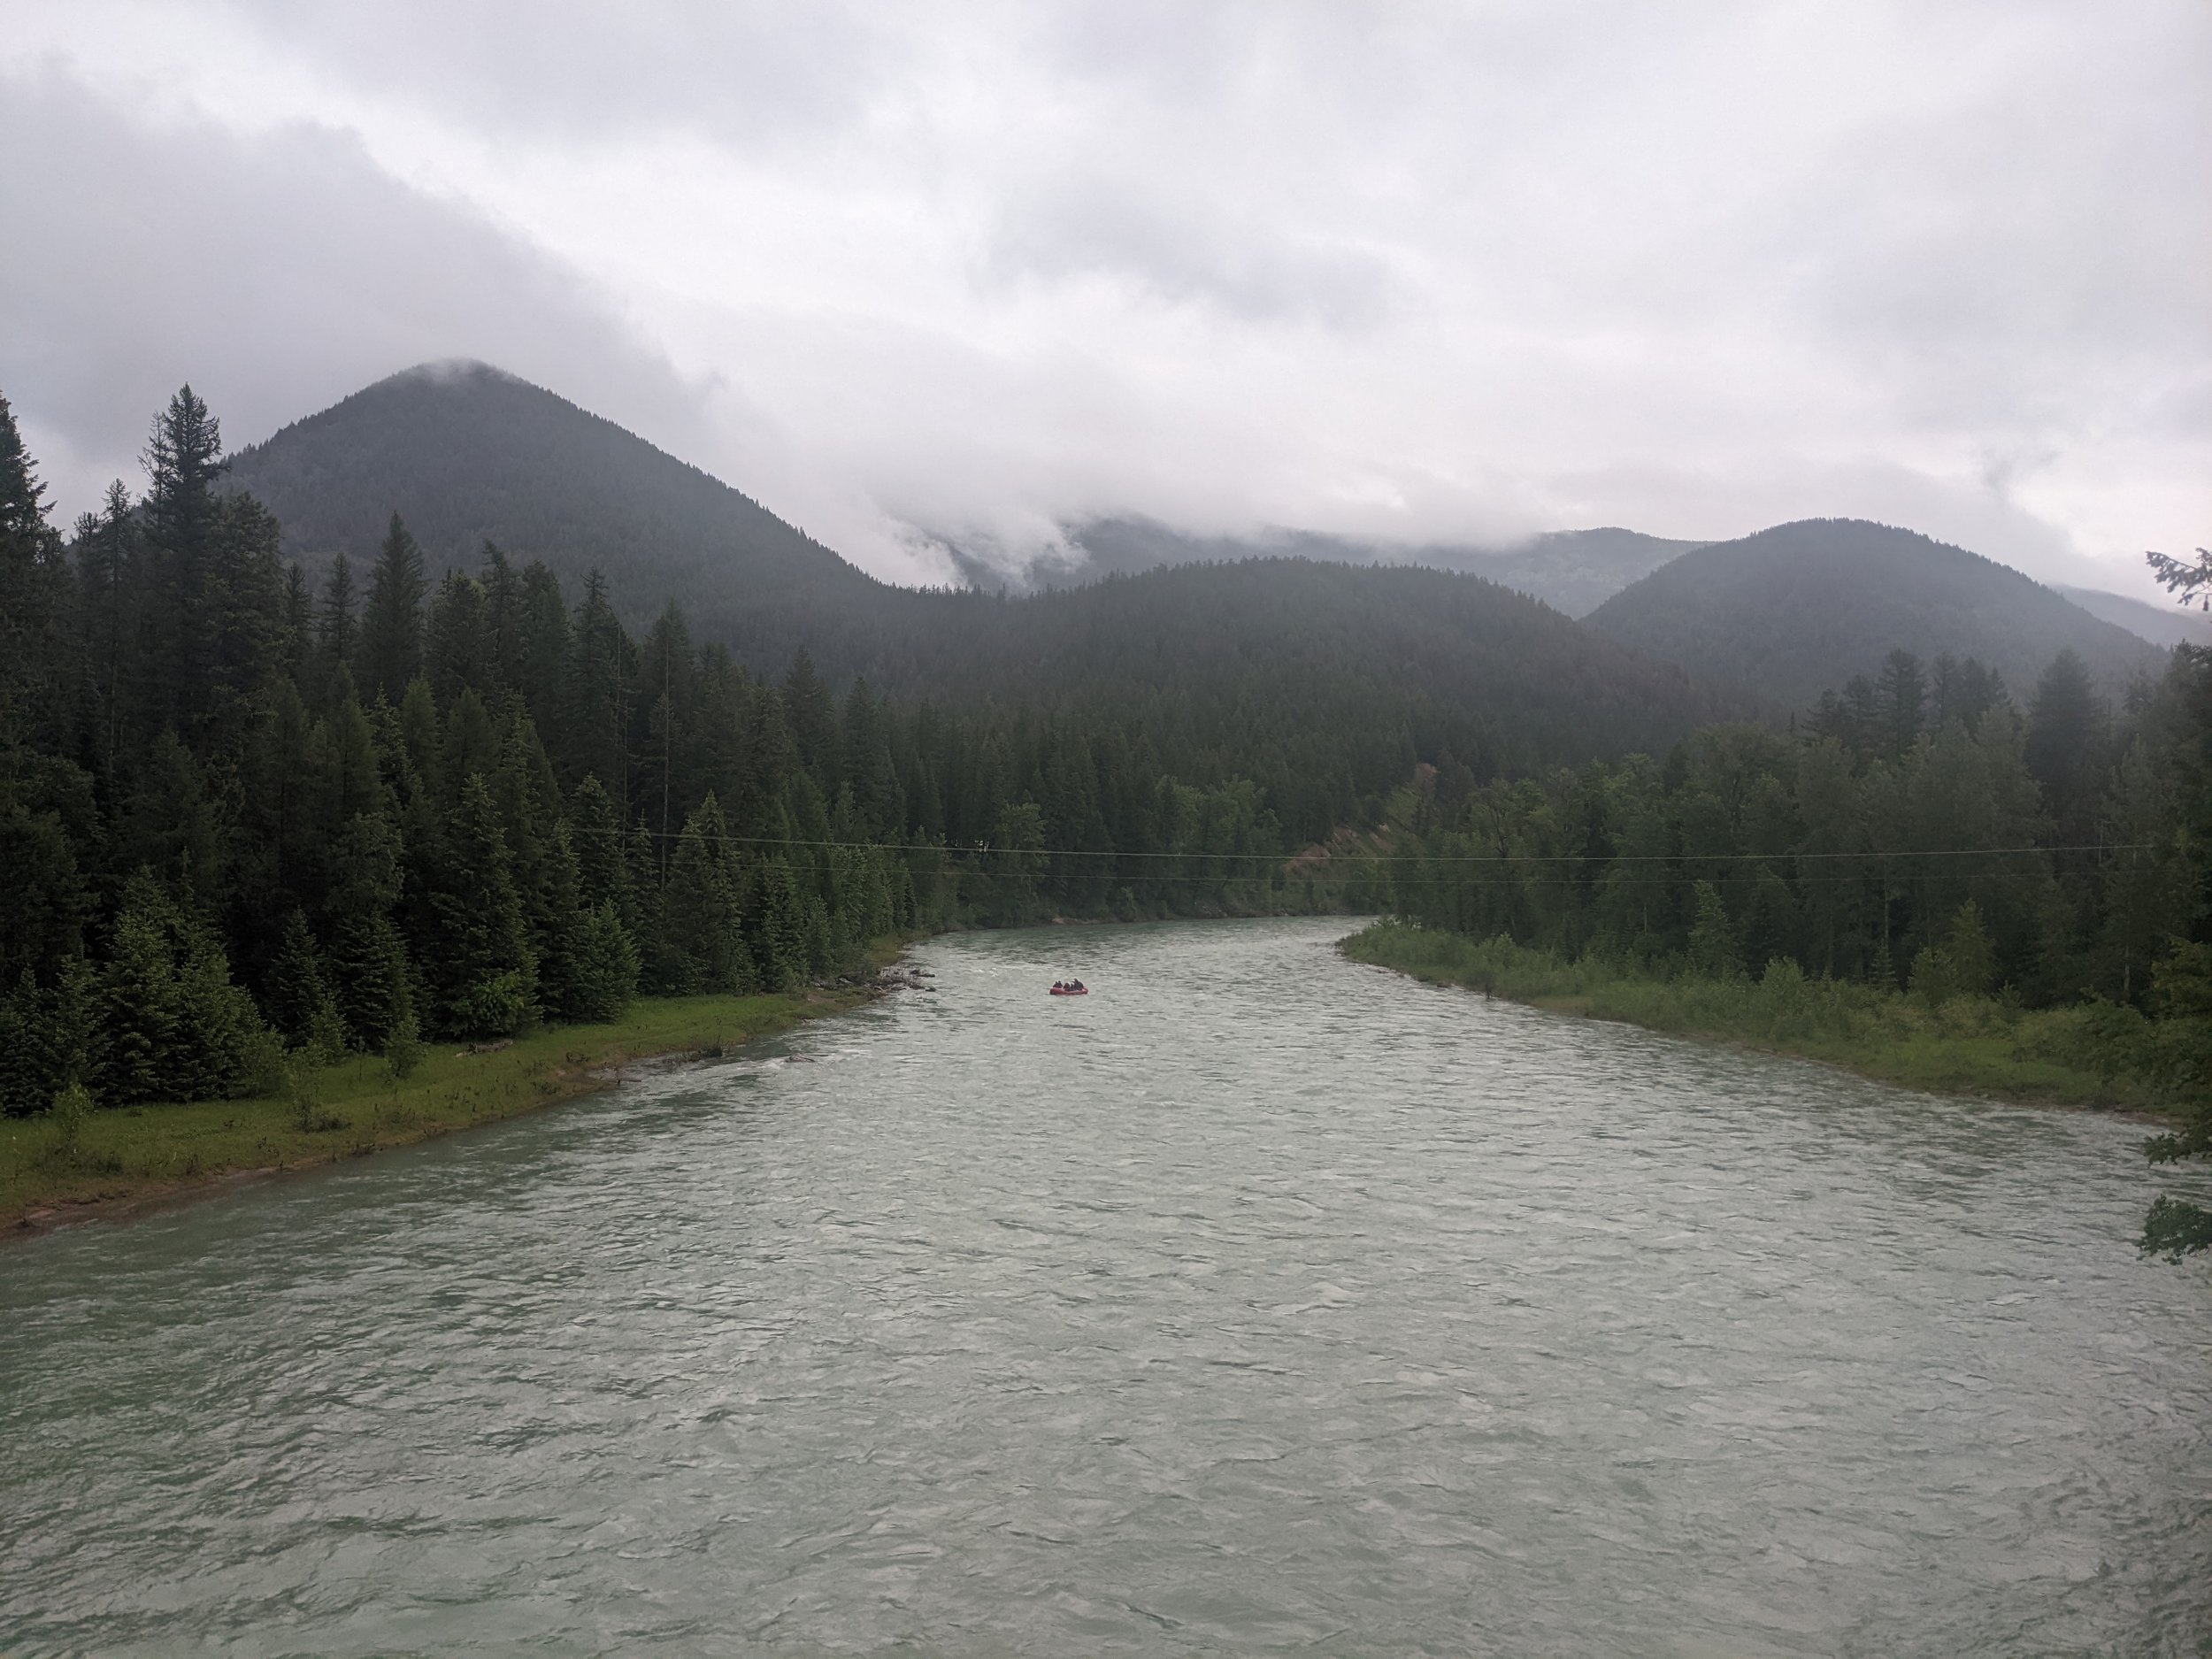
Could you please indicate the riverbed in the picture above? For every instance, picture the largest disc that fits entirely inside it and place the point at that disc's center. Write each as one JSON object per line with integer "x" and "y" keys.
{"x": 1259, "y": 1301}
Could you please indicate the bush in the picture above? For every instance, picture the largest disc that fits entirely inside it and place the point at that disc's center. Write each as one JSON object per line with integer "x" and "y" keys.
{"x": 404, "y": 1049}
{"x": 71, "y": 1111}
{"x": 497, "y": 1006}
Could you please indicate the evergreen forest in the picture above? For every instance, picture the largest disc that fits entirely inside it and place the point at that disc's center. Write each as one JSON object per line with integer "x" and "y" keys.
{"x": 252, "y": 809}
{"x": 241, "y": 815}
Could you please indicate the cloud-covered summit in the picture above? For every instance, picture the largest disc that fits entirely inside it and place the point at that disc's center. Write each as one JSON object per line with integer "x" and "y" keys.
{"x": 971, "y": 273}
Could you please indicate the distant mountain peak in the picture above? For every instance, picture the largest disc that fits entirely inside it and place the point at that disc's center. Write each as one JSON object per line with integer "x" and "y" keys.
{"x": 1800, "y": 608}
{"x": 466, "y": 452}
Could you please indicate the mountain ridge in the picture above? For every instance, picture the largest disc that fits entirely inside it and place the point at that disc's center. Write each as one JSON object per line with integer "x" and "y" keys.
{"x": 1801, "y": 608}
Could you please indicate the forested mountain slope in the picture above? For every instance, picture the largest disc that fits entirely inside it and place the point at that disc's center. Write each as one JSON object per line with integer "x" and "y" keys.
{"x": 466, "y": 454}
{"x": 1794, "y": 610}
{"x": 1572, "y": 571}
{"x": 2166, "y": 624}
{"x": 1327, "y": 679}
{"x": 1322, "y": 682}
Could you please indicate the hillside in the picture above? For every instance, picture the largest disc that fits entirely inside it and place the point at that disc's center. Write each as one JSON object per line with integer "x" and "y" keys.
{"x": 2167, "y": 623}
{"x": 1323, "y": 681}
{"x": 1572, "y": 571}
{"x": 1331, "y": 670}
{"x": 1799, "y": 609}
{"x": 466, "y": 453}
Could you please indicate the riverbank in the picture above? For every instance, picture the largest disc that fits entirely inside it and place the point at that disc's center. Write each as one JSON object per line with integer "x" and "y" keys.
{"x": 139, "y": 1156}
{"x": 1975, "y": 1045}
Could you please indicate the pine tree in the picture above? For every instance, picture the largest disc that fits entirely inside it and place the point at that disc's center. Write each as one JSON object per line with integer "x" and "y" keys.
{"x": 296, "y": 996}
{"x": 604, "y": 979}
{"x": 2066, "y": 745}
{"x": 503, "y": 670}
{"x": 696, "y": 946}
{"x": 602, "y": 872}
{"x": 27, "y": 1081}
{"x": 597, "y": 704}
{"x": 335, "y": 633}
{"x": 457, "y": 653}
{"x": 141, "y": 1006}
{"x": 33, "y": 593}
{"x": 1902, "y": 698}
{"x": 1712, "y": 941}
{"x": 108, "y": 601}
{"x": 487, "y": 978}
{"x": 184, "y": 457}
{"x": 390, "y": 647}
{"x": 471, "y": 748}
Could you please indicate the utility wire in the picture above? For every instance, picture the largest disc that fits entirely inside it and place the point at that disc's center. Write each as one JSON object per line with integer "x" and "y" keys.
{"x": 1384, "y": 858}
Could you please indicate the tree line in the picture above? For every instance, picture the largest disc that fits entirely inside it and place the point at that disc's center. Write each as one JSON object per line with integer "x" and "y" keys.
{"x": 1917, "y": 830}
{"x": 241, "y": 816}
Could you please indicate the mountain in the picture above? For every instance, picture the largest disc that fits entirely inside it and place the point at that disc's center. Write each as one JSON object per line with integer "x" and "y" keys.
{"x": 1314, "y": 657}
{"x": 466, "y": 453}
{"x": 1799, "y": 609}
{"x": 1348, "y": 667}
{"x": 1571, "y": 571}
{"x": 2162, "y": 624}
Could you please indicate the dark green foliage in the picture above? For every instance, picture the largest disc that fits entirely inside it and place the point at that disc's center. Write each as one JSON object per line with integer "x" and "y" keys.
{"x": 176, "y": 1027}
{"x": 604, "y": 977}
{"x": 34, "y": 581}
{"x": 295, "y": 993}
{"x": 509, "y": 807}
{"x": 389, "y": 654}
{"x": 485, "y": 973}
{"x": 2180, "y": 1052}
{"x": 1806, "y": 606}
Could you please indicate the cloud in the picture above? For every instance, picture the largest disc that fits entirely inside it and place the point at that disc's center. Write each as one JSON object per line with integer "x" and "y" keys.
{"x": 1426, "y": 272}
{"x": 275, "y": 272}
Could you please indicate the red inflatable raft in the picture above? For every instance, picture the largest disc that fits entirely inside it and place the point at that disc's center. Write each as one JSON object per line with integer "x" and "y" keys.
{"x": 1071, "y": 990}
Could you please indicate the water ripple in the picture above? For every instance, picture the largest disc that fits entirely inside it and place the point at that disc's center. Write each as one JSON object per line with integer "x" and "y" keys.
{"x": 1259, "y": 1303}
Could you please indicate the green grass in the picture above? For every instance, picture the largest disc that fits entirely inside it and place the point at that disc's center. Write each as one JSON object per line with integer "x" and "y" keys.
{"x": 1977, "y": 1046}
{"x": 139, "y": 1152}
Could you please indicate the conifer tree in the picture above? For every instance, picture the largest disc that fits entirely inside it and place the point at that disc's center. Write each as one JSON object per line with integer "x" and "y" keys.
{"x": 368, "y": 971}
{"x": 33, "y": 593}
{"x": 602, "y": 872}
{"x": 296, "y": 995}
{"x": 457, "y": 651}
{"x": 604, "y": 977}
{"x": 108, "y": 593}
{"x": 2066, "y": 744}
{"x": 696, "y": 945}
{"x": 183, "y": 629}
{"x": 1712, "y": 943}
{"x": 471, "y": 747}
{"x": 502, "y": 626}
{"x": 488, "y": 978}
{"x": 176, "y": 1027}
{"x": 390, "y": 647}
{"x": 598, "y": 703}
{"x": 336, "y": 632}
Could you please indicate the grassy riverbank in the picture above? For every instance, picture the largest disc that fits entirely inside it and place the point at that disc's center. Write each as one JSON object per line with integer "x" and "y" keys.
{"x": 1980, "y": 1046}
{"x": 127, "y": 1158}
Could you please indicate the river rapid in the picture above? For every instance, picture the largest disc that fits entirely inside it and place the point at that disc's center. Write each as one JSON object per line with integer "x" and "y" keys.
{"x": 1259, "y": 1302}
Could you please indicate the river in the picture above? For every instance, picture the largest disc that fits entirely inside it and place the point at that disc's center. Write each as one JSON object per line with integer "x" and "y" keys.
{"x": 1259, "y": 1302}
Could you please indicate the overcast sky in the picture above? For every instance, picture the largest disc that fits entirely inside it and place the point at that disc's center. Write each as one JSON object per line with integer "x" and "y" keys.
{"x": 1418, "y": 272}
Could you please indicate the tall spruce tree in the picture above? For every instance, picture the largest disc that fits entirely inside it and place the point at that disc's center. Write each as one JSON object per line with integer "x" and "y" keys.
{"x": 390, "y": 647}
